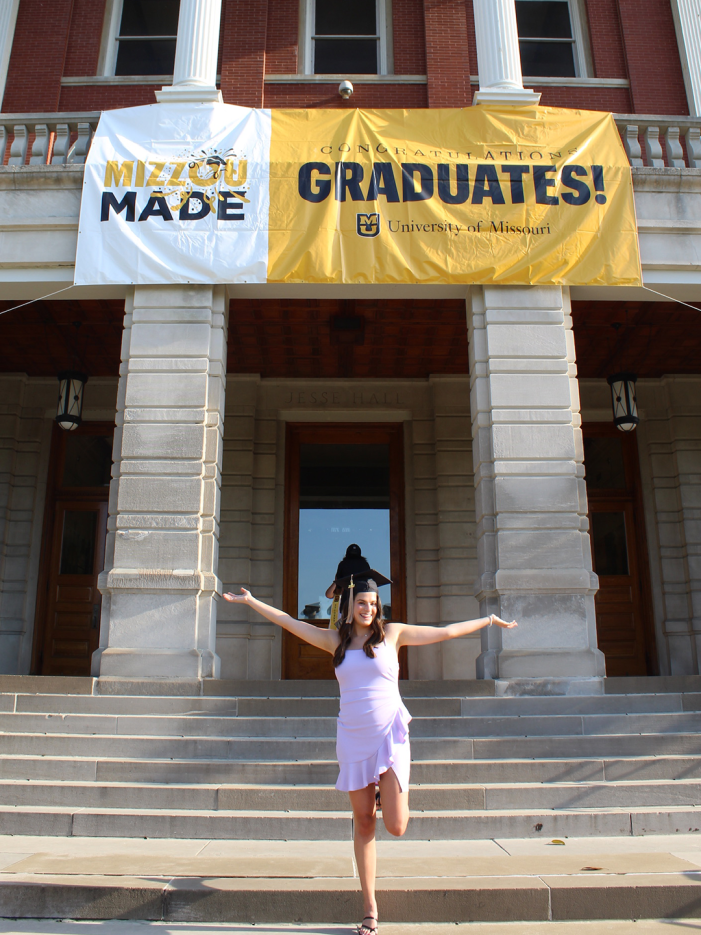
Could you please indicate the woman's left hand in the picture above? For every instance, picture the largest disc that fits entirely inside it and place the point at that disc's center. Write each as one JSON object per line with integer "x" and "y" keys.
{"x": 241, "y": 598}
{"x": 505, "y": 625}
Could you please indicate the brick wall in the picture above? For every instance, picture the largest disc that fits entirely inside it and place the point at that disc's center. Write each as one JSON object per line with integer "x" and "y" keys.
{"x": 244, "y": 31}
{"x": 365, "y": 95}
{"x": 38, "y": 55}
{"x": 447, "y": 60}
{"x": 652, "y": 55}
{"x": 632, "y": 39}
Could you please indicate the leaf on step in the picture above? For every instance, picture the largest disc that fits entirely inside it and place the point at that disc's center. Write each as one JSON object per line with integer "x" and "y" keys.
{"x": 557, "y": 841}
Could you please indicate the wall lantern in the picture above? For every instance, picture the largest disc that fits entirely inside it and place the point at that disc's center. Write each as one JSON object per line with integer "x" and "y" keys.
{"x": 69, "y": 413}
{"x": 623, "y": 400}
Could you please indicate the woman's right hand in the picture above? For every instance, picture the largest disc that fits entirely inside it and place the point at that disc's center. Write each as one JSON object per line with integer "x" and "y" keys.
{"x": 241, "y": 598}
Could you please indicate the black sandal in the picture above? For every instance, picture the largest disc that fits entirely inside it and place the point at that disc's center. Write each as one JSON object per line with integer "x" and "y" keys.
{"x": 364, "y": 929}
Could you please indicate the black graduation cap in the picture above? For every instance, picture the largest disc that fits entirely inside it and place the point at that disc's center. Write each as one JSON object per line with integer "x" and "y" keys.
{"x": 369, "y": 580}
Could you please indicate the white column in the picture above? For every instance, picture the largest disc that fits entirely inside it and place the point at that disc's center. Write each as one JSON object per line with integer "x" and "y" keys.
{"x": 160, "y": 582}
{"x": 8, "y": 18}
{"x": 498, "y": 55}
{"x": 533, "y": 551}
{"x": 195, "y": 72}
{"x": 687, "y": 20}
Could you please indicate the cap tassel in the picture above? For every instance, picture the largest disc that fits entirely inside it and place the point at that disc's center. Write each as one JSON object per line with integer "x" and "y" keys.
{"x": 351, "y": 601}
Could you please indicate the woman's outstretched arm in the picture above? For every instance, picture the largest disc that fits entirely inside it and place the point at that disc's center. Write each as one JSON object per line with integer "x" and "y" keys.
{"x": 421, "y": 636}
{"x": 321, "y": 638}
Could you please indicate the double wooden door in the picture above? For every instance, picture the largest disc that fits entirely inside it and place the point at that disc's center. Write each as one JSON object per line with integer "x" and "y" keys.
{"x": 67, "y": 627}
{"x": 619, "y": 554}
{"x": 344, "y": 484}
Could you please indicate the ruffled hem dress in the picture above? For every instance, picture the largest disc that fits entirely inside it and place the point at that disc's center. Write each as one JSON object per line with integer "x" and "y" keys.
{"x": 372, "y": 733}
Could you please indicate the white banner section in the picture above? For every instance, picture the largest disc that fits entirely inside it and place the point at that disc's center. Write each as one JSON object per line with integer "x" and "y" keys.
{"x": 176, "y": 193}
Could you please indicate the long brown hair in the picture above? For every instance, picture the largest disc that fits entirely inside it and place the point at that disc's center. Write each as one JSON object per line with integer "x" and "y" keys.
{"x": 345, "y": 629}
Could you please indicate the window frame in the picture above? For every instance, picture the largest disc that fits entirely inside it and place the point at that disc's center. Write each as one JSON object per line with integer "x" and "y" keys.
{"x": 110, "y": 41}
{"x": 579, "y": 41}
{"x": 383, "y": 36}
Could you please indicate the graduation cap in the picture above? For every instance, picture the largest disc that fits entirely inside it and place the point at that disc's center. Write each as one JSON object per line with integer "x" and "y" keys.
{"x": 367, "y": 580}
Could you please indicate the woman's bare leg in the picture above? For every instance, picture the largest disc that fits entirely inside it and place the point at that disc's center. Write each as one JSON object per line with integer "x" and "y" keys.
{"x": 363, "y": 805}
{"x": 395, "y": 804}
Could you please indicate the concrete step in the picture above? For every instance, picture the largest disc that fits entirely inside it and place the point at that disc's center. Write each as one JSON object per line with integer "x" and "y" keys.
{"x": 324, "y": 772}
{"x": 319, "y": 902}
{"x": 425, "y": 797}
{"x": 324, "y": 748}
{"x": 204, "y": 725}
{"x": 446, "y": 825}
{"x": 328, "y": 707}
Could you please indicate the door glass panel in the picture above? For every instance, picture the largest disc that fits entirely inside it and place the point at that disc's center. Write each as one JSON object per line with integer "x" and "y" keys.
{"x": 78, "y": 542}
{"x": 343, "y": 498}
{"x": 610, "y": 547}
{"x": 603, "y": 463}
{"x": 88, "y": 461}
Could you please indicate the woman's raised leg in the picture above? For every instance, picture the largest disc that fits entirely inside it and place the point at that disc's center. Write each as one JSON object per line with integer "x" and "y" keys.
{"x": 363, "y": 805}
{"x": 395, "y": 804}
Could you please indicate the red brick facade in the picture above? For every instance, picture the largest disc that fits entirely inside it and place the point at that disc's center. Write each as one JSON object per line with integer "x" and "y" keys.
{"x": 633, "y": 40}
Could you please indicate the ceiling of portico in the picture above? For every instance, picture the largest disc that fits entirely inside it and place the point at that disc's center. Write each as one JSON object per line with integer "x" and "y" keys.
{"x": 648, "y": 338}
{"x": 397, "y": 338}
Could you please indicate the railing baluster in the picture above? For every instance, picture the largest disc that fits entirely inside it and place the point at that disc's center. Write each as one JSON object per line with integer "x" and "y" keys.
{"x": 653, "y": 147}
{"x": 631, "y": 144}
{"x": 18, "y": 150}
{"x": 675, "y": 153}
{"x": 62, "y": 144}
{"x": 3, "y": 144}
{"x": 693, "y": 147}
{"x": 79, "y": 151}
{"x": 40, "y": 146}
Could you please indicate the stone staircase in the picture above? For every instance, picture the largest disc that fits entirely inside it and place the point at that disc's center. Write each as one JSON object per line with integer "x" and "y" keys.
{"x": 256, "y": 762}
{"x": 253, "y": 766}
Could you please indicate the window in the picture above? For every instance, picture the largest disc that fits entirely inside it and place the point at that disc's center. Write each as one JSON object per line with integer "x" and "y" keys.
{"x": 345, "y": 38}
{"x": 549, "y": 38}
{"x": 144, "y": 34}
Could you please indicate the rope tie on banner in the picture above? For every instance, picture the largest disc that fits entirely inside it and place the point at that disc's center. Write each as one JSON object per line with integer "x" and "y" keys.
{"x": 672, "y": 299}
{"x": 38, "y": 299}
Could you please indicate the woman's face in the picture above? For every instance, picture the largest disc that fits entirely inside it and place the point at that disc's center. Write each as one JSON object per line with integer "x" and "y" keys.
{"x": 365, "y": 608}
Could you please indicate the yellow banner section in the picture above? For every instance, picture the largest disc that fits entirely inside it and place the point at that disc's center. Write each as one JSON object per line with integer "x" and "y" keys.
{"x": 514, "y": 195}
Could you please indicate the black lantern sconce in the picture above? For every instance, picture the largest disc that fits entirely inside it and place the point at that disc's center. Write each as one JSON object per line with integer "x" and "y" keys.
{"x": 623, "y": 400}
{"x": 69, "y": 413}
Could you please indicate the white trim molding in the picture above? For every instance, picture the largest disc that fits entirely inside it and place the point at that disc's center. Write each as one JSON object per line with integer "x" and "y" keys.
{"x": 8, "y": 19}
{"x": 687, "y": 21}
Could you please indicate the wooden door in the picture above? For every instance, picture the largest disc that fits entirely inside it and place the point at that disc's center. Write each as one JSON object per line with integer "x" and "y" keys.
{"x": 380, "y": 474}
{"x": 73, "y": 603}
{"x": 67, "y": 625}
{"x": 619, "y": 555}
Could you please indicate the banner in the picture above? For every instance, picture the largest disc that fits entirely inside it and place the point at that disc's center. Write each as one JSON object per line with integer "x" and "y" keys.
{"x": 212, "y": 193}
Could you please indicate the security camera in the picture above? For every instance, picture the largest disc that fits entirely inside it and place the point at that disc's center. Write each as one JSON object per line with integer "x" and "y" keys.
{"x": 345, "y": 89}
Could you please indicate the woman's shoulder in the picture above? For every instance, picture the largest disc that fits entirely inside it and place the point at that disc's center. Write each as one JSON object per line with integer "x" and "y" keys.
{"x": 392, "y": 631}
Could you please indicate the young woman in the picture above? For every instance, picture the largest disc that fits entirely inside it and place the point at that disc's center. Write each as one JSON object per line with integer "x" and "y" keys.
{"x": 372, "y": 741}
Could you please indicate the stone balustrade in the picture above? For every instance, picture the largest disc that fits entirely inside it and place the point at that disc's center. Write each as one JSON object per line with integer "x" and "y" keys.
{"x": 46, "y": 139}
{"x": 64, "y": 139}
{"x": 661, "y": 142}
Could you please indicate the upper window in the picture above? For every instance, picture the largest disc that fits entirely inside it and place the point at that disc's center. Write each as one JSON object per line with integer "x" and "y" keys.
{"x": 345, "y": 38}
{"x": 144, "y": 34}
{"x": 547, "y": 34}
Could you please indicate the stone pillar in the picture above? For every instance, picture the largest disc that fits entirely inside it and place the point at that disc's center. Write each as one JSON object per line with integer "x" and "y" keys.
{"x": 160, "y": 582}
{"x": 533, "y": 551}
{"x": 498, "y": 55}
{"x": 196, "y": 51}
{"x": 8, "y": 18}
{"x": 687, "y": 20}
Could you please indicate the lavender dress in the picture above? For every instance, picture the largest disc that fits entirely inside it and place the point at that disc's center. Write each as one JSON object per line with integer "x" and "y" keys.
{"x": 373, "y": 724}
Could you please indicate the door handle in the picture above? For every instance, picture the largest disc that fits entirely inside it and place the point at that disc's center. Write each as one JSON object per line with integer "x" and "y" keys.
{"x": 95, "y": 619}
